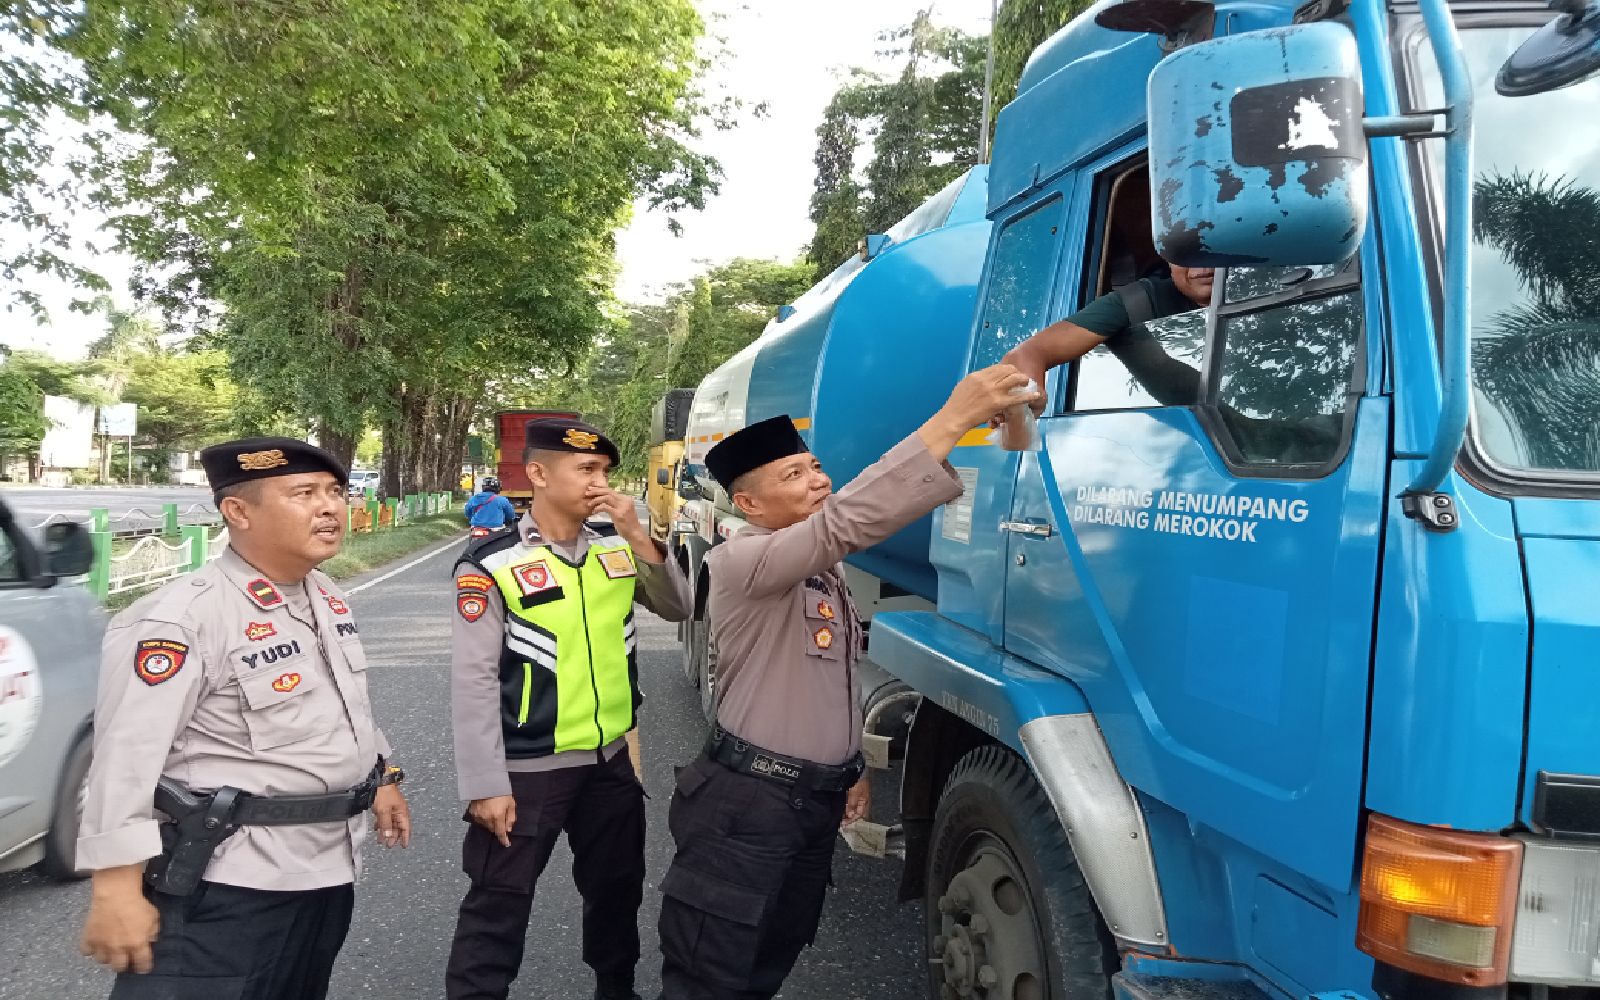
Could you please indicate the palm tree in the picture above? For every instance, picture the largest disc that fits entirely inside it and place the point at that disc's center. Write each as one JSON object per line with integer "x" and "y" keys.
{"x": 1539, "y": 360}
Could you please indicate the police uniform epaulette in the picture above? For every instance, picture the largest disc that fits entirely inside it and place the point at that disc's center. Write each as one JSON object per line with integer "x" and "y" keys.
{"x": 480, "y": 548}
{"x": 605, "y": 529}
{"x": 172, "y": 602}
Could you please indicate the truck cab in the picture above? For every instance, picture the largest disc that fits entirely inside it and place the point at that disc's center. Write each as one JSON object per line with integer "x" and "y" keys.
{"x": 1269, "y": 672}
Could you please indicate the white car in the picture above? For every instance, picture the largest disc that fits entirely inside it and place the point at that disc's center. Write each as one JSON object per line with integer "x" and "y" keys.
{"x": 50, "y": 631}
{"x": 362, "y": 480}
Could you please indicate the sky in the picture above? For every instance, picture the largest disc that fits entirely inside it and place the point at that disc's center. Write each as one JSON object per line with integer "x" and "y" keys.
{"x": 790, "y": 56}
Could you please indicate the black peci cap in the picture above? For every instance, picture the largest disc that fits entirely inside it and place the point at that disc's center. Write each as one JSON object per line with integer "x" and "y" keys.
{"x": 762, "y": 442}
{"x": 564, "y": 434}
{"x": 249, "y": 459}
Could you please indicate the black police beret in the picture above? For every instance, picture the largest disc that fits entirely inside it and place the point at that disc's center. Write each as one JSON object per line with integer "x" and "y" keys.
{"x": 564, "y": 434}
{"x": 755, "y": 446}
{"x": 235, "y": 462}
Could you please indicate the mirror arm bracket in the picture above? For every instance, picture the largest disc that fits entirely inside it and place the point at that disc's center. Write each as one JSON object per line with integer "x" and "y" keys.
{"x": 1417, "y": 125}
{"x": 1455, "y": 354}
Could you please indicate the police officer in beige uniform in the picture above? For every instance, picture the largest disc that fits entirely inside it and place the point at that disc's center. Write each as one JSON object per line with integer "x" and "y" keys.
{"x": 235, "y": 753}
{"x": 544, "y": 686}
{"x": 756, "y": 816}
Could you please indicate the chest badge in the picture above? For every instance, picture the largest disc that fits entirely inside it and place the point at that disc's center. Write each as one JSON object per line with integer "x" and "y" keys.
{"x": 286, "y": 683}
{"x": 823, "y": 637}
{"x": 263, "y": 593}
{"x": 256, "y": 631}
{"x": 337, "y": 606}
{"x": 617, "y": 563}
{"x": 533, "y": 578}
{"x": 825, "y": 609}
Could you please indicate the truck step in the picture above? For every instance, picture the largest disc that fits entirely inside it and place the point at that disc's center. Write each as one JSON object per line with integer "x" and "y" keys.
{"x": 1136, "y": 986}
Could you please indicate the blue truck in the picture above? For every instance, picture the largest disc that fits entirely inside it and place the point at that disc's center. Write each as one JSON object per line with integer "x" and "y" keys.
{"x": 1283, "y": 680}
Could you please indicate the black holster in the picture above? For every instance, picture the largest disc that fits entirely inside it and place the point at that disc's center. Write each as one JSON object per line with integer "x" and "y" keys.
{"x": 198, "y": 824}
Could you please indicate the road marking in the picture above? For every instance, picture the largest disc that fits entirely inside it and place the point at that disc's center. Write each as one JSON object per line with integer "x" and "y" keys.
{"x": 396, "y": 572}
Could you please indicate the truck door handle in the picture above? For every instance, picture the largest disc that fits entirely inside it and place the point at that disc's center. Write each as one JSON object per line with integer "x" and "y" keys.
{"x": 1032, "y": 528}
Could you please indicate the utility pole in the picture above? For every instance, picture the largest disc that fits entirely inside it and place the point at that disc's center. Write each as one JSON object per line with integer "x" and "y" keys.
{"x": 988, "y": 83}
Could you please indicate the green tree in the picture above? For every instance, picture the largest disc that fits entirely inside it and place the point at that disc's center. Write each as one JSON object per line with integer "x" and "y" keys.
{"x": 40, "y": 181}
{"x": 399, "y": 206}
{"x": 923, "y": 126}
{"x": 1024, "y": 25}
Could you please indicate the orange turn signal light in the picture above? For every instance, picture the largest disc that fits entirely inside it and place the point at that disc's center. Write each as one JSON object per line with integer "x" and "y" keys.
{"x": 1439, "y": 903}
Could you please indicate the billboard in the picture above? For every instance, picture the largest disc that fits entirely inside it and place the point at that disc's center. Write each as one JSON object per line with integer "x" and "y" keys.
{"x": 120, "y": 420}
{"x": 69, "y": 443}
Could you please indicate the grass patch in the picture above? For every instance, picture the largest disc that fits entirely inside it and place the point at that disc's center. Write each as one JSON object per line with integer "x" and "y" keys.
{"x": 368, "y": 551}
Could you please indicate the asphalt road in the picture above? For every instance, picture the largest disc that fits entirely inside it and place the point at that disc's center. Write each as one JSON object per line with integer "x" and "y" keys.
{"x": 868, "y": 946}
{"x": 32, "y": 505}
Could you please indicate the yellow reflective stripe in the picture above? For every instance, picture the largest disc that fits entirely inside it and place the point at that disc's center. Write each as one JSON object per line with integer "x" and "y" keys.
{"x": 975, "y": 438}
{"x": 527, "y": 692}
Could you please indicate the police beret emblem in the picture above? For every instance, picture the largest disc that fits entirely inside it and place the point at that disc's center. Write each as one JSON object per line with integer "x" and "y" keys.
{"x": 581, "y": 439}
{"x": 259, "y": 461}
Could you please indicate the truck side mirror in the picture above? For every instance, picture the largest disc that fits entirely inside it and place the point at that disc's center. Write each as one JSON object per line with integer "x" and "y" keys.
{"x": 873, "y": 245}
{"x": 663, "y": 477}
{"x": 68, "y": 550}
{"x": 689, "y": 488}
{"x": 1257, "y": 149}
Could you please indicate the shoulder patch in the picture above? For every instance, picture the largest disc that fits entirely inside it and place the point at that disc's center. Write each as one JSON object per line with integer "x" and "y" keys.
{"x": 158, "y": 660}
{"x": 474, "y": 581}
{"x": 471, "y": 605}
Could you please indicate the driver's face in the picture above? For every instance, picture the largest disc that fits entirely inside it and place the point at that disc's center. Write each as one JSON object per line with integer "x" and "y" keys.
{"x": 1194, "y": 283}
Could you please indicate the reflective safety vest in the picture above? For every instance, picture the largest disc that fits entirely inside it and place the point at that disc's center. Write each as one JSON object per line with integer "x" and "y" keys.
{"x": 568, "y": 675}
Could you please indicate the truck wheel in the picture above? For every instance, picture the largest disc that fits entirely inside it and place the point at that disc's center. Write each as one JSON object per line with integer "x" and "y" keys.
{"x": 61, "y": 841}
{"x": 704, "y": 651}
{"x": 1007, "y": 912}
{"x": 691, "y": 666}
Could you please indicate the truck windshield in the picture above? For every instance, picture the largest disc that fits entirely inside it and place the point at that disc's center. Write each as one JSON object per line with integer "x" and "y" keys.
{"x": 1535, "y": 259}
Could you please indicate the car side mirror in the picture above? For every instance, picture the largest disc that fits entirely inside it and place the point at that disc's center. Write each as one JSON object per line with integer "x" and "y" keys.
{"x": 1258, "y": 150}
{"x": 663, "y": 477}
{"x": 68, "y": 550}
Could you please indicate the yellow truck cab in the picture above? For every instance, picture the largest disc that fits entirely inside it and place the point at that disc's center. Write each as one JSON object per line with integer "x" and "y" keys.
{"x": 667, "y": 423}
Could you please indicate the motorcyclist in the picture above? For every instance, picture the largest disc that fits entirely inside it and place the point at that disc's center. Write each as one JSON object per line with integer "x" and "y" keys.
{"x": 488, "y": 510}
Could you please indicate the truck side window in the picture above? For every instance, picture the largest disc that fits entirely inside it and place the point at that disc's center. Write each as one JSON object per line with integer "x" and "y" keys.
{"x": 10, "y": 564}
{"x": 1287, "y": 373}
{"x": 1020, "y": 280}
{"x": 1155, "y": 339}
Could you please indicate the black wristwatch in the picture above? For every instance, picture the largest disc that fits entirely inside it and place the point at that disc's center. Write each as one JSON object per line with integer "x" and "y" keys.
{"x": 392, "y": 775}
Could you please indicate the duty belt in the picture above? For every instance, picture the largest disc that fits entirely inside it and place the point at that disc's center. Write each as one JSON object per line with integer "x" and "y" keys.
{"x": 200, "y": 823}
{"x": 740, "y": 755}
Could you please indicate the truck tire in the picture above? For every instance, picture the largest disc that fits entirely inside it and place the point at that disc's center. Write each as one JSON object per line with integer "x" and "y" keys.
{"x": 703, "y": 653}
{"x": 61, "y": 841}
{"x": 1006, "y": 909}
{"x": 691, "y": 668}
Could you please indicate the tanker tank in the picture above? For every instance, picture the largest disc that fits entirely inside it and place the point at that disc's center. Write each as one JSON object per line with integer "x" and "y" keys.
{"x": 867, "y": 354}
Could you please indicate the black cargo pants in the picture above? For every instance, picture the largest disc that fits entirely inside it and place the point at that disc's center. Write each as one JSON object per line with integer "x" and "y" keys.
{"x": 601, "y": 809}
{"x": 224, "y": 942}
{"x": 744, "y": 894}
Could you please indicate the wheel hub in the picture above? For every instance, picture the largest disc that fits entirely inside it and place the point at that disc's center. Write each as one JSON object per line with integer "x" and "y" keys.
{"x": 988, "y": 939}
